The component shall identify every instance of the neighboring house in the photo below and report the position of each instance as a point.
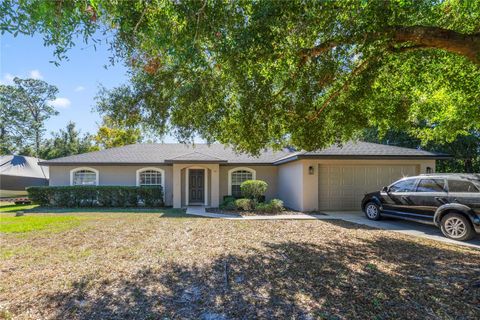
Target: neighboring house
(19, 172)
(334, 178)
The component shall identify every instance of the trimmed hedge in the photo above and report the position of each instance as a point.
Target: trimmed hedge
(97, 196)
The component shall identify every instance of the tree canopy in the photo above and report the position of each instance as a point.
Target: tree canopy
(24, 108)
(269, 73)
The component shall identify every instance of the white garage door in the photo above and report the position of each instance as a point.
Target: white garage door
(343, 187)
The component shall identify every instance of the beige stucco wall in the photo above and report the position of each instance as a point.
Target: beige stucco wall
(290, 185)
(302, 194)
(265, 173)
(112, 176)
(179, 185)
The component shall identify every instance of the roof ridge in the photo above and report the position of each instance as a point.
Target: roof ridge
(203, 154)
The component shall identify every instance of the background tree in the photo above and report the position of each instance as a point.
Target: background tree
(111, 134)
(66, 143)
(27, 101)
(266, 73)
(13, 132)
(465, 148)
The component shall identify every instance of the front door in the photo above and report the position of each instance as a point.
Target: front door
(196, 186)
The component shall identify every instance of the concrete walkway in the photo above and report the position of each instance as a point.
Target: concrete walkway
(395, 225)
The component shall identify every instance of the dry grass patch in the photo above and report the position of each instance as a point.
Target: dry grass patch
(145, 266)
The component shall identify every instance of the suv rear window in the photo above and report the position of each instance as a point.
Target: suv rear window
(431, 185)
(461, 186)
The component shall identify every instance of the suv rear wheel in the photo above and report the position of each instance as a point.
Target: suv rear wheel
(457, 227)
(372, 211)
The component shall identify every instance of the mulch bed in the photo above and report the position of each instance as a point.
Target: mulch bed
(255, 213)
(144, 266)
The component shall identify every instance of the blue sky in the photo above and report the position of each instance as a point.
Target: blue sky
(77, 79)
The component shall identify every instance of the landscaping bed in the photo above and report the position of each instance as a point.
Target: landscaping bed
(154, 266)
(249, 213)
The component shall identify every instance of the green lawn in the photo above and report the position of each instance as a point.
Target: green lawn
(11, 207)
(12, 224)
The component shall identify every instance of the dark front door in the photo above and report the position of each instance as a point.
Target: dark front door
(196, 186)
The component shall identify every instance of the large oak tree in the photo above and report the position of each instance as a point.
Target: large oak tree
(270, 73)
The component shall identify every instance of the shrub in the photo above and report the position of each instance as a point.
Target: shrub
(273, 206)
(254, 189)
(276, 205)
(96, 196)
(228, 203)
(244, 204)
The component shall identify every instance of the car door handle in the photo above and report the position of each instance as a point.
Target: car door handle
(441, 200)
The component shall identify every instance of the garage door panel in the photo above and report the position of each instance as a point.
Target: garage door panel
(343, 187)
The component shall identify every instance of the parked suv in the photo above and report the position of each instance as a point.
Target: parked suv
(449, 201)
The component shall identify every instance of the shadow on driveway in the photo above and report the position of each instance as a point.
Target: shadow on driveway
(403, 226)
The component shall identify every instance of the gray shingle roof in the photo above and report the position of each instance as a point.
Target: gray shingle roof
(364, 150)
(169, 153)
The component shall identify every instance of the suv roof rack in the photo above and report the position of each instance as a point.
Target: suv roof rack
(466, 175)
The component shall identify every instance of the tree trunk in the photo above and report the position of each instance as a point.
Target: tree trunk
(468, 165)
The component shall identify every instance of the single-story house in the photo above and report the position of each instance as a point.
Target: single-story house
(335, 178)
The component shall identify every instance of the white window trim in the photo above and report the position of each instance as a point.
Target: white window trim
(72, 172)
(152, 169)
(253, 172)
(187, 191)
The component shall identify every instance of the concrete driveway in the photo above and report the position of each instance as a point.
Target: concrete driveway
(402, 226)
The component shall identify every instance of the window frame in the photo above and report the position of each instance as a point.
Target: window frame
(415, 183)
(233, 170)
(75, 170)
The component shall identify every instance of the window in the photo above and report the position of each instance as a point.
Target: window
(150, 177)
(236, 177)
(84, 177)
(461, 186)
(431, 185)
(403, 186)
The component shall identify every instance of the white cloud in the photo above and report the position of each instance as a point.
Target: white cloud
(79, 88)
(7, 79)
(61, 103)
(35, 74)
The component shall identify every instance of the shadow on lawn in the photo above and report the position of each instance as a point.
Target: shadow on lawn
(289, 280)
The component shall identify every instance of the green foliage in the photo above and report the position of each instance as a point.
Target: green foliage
(228, 203)
(111, 135)
(258, 74)
(273, 206)
(254, 189)
(244, 204)
(24, 108)
(97, 196)
(465, 149)
(66, 143)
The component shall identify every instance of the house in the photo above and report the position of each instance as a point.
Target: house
(334, 178)
(19, 172)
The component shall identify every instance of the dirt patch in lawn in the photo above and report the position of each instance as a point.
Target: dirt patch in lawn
(145, 266)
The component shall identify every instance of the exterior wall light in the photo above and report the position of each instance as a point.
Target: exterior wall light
(310, 170)
(428, 170)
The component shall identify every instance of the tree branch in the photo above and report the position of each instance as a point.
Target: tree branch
(421, 37)
(355, 72)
